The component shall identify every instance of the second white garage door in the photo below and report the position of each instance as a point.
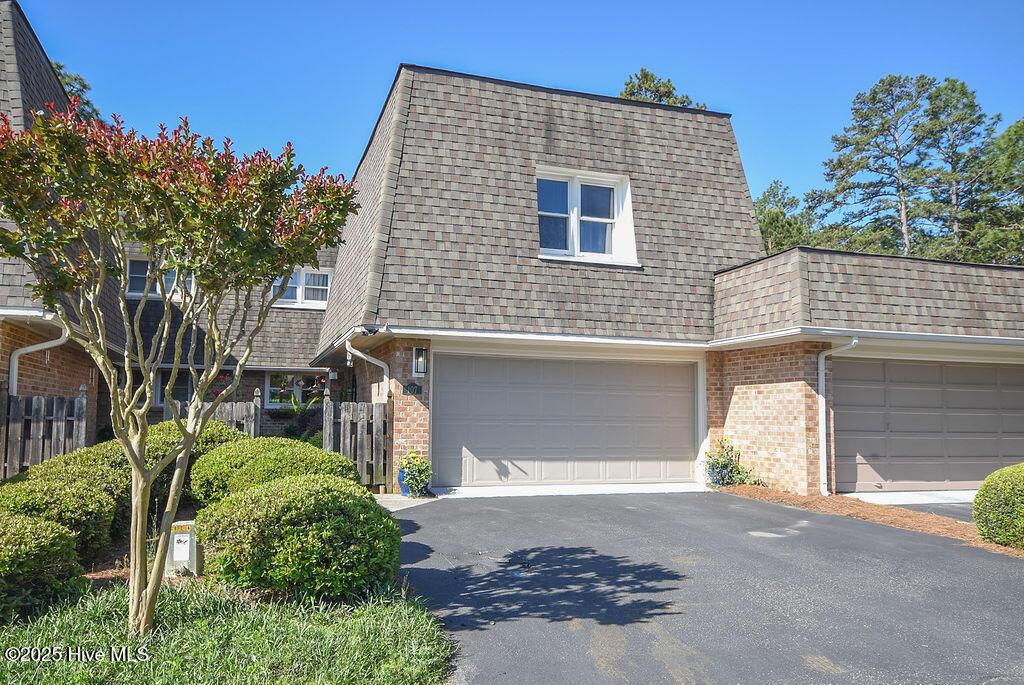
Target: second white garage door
(524, 421)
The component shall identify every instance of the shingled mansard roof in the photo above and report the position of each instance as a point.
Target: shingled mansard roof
(827, 288)
(447, 234)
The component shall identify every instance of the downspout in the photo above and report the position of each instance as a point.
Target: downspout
(373, 360)
(29, 349)
(823, 413)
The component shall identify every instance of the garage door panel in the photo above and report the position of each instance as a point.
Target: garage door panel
(853, 370)
(849, 395)
(560, 421)
(912, 372)
(963, 398)
(937, 425)
(1013, 399)
(914, 397)
(914, 422)
(860, 420)
(860, 446)
(976, 422)
(916, 446)
(970, 375)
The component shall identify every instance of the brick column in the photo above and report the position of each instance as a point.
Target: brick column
(410, 424)
(764, 400)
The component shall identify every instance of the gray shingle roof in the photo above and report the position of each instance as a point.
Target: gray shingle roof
(449, 212)
(827, 288)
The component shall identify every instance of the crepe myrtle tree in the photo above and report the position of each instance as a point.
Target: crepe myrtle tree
(222, 233)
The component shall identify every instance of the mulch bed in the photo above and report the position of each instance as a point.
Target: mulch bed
(897, 517)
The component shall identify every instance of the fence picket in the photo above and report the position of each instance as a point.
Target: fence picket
(36, 431)
(15, 431)
(379, 412)
(58, 425)
(361, 443)
(78, 419)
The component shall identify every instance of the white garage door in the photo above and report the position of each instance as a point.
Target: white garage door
(904, 425)
(522, 421)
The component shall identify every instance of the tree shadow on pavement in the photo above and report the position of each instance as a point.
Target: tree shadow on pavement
(552, 583)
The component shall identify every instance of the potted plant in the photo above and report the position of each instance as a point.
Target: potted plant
(414, 474)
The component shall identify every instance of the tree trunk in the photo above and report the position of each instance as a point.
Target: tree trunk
(138, 563)
(954, 201)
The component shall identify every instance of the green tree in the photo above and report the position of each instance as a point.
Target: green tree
(956, 133)
(646, 86)
(783, 223)
(876, 177)
(76, 86)
(222, 233)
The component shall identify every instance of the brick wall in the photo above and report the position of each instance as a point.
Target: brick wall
(763, 399)
(58, 372)
(410, 424)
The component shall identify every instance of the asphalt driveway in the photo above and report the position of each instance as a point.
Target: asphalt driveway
(708, 588)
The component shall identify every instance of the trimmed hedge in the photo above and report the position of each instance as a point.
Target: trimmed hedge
(164, 436)
(999, 507)
(97, 468)
(310, 535)
(38, 564)
(81, 507)
(234, 467)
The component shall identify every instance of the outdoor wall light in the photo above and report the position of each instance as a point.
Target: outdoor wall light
(348, 359)
(419, 361)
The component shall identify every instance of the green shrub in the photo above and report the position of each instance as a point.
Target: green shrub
(85, 510)
(101, 468)
(724, 468)
(207, 634)
(236, 466)
(319, 535)
(38, 564)
(999, 507)
(417, 473)
(164, 436)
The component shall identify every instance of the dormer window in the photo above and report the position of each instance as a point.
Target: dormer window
(307, 288)
(585, 217)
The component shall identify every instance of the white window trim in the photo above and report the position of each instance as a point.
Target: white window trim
(622, 238)
(300, 302)
(137, 294)
(161, 377)
(279, 405)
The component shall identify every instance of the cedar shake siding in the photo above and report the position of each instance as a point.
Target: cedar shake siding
(826, 288)
(453, 164)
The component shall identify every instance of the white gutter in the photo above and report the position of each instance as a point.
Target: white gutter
(538, 337)
(823, 414)
(365, 357)
(820, 331)
(29, 349)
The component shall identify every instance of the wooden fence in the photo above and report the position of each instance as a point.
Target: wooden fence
(244, 414)
(361, 431)
(34, 429)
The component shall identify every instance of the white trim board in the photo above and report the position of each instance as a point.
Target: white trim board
(567, 489)
(915, 497)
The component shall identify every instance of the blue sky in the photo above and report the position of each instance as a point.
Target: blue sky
(316, 73)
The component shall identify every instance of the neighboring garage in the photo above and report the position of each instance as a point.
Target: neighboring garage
(529, 421)
(921, 425)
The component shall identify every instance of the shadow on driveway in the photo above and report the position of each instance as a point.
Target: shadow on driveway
(551, 583)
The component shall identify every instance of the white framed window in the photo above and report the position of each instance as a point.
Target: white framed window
(138, 273)
(307, 288)
(282, 386)
(585, 216)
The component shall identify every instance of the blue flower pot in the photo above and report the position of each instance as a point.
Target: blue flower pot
(403, 487)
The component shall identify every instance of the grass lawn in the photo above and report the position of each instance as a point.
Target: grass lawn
(205, 634)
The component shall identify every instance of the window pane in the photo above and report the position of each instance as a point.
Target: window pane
(290, 292)
(316, 287)
(138, 269)
(596, 201)
(169, 281)
(553, 233)
(593, 236)
(281, 388)
(553, 196)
